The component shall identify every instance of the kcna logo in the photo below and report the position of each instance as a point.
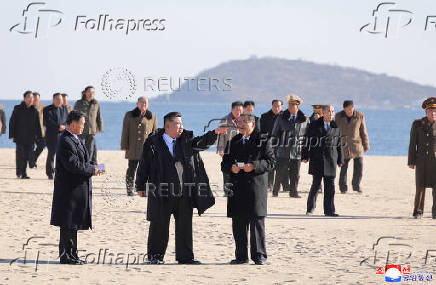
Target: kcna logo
(37, 19)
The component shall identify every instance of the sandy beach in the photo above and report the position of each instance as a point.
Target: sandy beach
(301, 249)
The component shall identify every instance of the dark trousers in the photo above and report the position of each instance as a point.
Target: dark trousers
(51, 153)
(40, 144)
(130, 174)
(49, 165)
(271, 179)
(287, 175)
(282, 175)
(357, 174)
(23, 156)
(329, 194)
(158, 233)
(226, 181)
(89, 142)
(240, 228)
(419, 201)
(68, 244)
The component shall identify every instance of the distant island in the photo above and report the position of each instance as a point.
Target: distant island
(263, 79)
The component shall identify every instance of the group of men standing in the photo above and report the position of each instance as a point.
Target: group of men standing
(33, 126)
(296, 139)
(171, 173)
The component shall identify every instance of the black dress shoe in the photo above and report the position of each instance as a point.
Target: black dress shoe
(308, 213)
(332, 215)
(417, 216)
(190, 261)
(156, 261)
(260, 262)
(357, 190)
(76, 258)
(130, 193)
(294, 195)
(239, 261)
(25, 177)
(71, 261)
(50, 177)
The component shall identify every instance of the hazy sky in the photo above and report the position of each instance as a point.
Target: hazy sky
(202, 34)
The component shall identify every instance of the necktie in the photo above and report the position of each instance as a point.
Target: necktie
(174, 148)
(58, 118)
(327, 127)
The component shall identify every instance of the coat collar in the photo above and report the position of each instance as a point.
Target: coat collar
(136, 113)
(23, 105)
(77, 141)
(332, 123)
(271, 114)
(156, 138)
(343, 115)
(300, 116)
(252, 137)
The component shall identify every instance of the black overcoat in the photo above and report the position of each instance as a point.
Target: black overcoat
(24, 125)
(249, 190)
(53, 119)
(156, 167)
(72, 196)
(323, 149)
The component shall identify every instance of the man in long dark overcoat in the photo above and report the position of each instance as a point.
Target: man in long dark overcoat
(24, 129)
(323, 150)
(173, 174)
(266, 127)
(55, 117)
(72, 196)
(247, 160)
(422, 156)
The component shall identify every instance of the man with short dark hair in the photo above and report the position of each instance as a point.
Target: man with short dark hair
(72, 196)
(24, 129)
(65, 102)
(171, 165)
(249, 109)
(323, 150)
(55, 117)
(353, 129)
(248, 158)
(223, 140)
(266, 126)
(90, 107)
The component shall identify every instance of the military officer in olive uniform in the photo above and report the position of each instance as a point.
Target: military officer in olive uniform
(422, 156)
(138, 124)
(317, 113)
